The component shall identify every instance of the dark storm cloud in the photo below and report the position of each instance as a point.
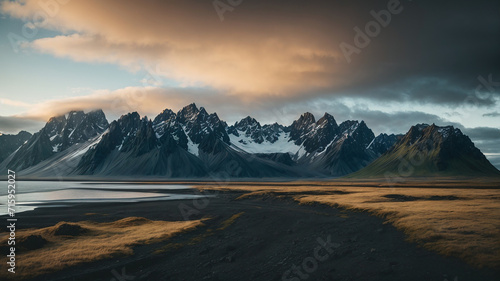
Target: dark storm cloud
(484, 133)
(491, 114)
(495, 160)
(485, 138)
(12, 125)
(434, 52)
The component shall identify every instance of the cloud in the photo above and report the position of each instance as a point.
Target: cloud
(150, 101)
(491, 114)
(145, 100)
(284, 50)
(484, 133)
(12, 125)
(494, 159)
(14, 103)
(486, 139)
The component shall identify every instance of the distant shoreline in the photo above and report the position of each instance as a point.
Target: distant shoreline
(428, 182)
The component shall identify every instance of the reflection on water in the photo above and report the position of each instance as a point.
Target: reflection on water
(38, 186)
(34, 194)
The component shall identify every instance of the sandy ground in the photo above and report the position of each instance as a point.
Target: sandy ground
(264, 238)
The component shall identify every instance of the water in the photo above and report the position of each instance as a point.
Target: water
(35, 194)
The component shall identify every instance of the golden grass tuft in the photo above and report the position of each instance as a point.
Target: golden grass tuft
(230, 221)
(99, 241)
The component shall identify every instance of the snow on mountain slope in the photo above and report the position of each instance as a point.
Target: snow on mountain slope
(281, 145)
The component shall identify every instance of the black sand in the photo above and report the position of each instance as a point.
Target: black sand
(267, 240)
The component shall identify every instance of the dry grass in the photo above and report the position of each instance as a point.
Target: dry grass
(461, 222)
(99, 241)
(230, 221)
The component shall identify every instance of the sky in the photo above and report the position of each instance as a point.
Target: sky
(390, 63)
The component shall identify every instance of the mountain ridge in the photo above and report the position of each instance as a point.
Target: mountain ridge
(195, 143)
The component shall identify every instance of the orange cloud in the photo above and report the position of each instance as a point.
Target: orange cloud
(14, 103)
(150, 101)
(245, 56)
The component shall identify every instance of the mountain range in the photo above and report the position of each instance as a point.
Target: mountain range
(193, 143)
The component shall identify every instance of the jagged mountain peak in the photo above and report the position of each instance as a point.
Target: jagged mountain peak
(165, 115)
(75, 114)
(383, 142)
(327, 118)
(301, 127)
(247, 123)
(307, 118)
(191, 106)
(55, 125)
(129, 123)
(203, 111)
(197, 124)
(74, 127)
(431, 133)
(57, 119)
(187, 113)
(275, 128)
(134, 115)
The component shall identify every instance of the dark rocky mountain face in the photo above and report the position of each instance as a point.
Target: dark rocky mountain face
(431, 150)
(166, 127)
(96, 155)
(165, 116)
(120, 133)
(335, 149)
(283, 158)
(221, 158)
(301, 127)
(251, 130)
(384, 142)
(78, 127)
(143, 141)
(322, 134)
(82, 127)
(55, 126)
(249, 127)
(198, 124)
(348, 151)
(129, 123)
(194, 143)
(58, 134)
(10, 143)
(37, 149)
(135, 146)
(273, 132)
